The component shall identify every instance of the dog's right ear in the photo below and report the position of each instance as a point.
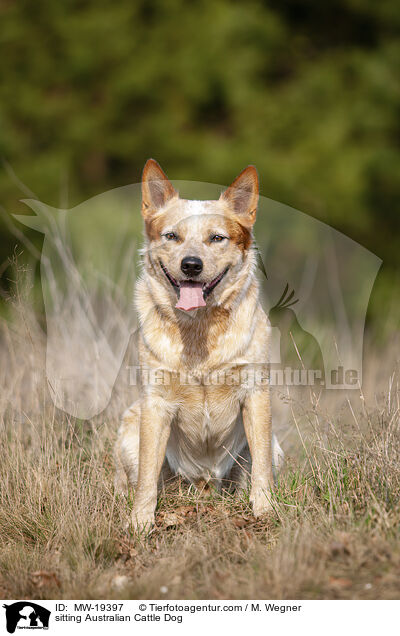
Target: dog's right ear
(157, 190)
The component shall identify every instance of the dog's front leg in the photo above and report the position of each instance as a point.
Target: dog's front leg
(155, 426)
(256, 412)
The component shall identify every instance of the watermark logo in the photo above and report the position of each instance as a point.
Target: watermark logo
(26, 615)
(316, 284)
(248, 376)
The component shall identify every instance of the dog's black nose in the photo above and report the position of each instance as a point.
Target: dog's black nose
(191, 265)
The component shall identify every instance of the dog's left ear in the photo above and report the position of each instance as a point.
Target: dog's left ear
(157, 190)
(242, 196)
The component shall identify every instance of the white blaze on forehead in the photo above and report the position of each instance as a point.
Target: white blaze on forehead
(198, 207)
(193, 213)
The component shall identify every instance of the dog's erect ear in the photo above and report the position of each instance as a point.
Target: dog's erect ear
(242, 196)
(157, 190)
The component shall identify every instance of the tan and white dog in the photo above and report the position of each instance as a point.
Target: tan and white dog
(200, 317)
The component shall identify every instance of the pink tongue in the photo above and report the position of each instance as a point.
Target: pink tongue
(190, 296)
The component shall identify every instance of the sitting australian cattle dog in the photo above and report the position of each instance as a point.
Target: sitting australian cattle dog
(200, 317)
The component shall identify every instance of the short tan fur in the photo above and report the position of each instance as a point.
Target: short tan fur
(200, 316)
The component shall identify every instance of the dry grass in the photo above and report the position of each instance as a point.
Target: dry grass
(334, 534)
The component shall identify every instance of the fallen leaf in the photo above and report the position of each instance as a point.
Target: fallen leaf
(170, 519)
(239, 522)
(126, 550)
(339, 582)
(186, 511)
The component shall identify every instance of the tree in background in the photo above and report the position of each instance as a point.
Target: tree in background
(306, 91)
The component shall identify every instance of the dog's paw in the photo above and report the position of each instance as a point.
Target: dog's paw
(260, 500)
(142, 521)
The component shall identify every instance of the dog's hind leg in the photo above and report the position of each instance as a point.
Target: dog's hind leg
(277, 456)
(120, 480)
(126, 451)
(240, 475)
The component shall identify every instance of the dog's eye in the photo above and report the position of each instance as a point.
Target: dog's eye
(170, 236)
(217, 238)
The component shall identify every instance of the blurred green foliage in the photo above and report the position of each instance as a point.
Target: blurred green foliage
(307, 91)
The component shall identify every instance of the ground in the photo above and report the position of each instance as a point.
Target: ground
(334, 532)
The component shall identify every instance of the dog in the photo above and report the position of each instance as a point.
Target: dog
(200, 317)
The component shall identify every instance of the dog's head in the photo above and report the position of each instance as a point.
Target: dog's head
(198, 250)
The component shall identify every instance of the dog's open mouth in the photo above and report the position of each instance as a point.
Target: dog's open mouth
(192, 294)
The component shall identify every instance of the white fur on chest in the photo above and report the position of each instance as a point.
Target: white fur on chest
(206, 440)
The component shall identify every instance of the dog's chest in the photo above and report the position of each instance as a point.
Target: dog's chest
(207, 433)
(208, 409)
